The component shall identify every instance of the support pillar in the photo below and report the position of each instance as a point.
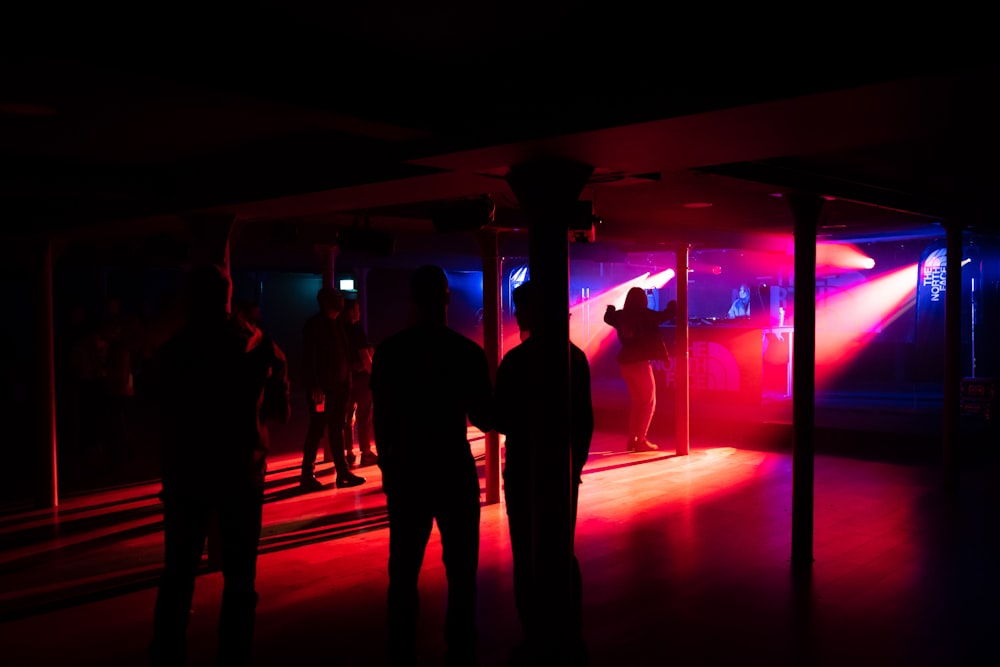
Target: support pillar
(328, 255)
(362, 287)
(548, 191)
(951, 417)
(492, 272)
(46, 469)
(805, 209)
(682, 356)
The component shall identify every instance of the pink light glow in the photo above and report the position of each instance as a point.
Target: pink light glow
(845, 321)
(587, 328)
(511, 337)
(659, 280)
(697, 266)
(586, 325)
(842, 256)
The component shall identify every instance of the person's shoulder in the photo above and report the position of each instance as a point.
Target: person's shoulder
(391, 343)
(183, 337)
(517, 353)
(169, 347)
(439, 335)
(275, 347)
(458, 336)
(264, 341)
(392, 340)
(463, 342)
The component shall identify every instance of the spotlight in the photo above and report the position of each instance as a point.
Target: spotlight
(587, 235)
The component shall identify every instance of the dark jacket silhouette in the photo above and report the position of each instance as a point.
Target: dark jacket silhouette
(428, 383)
(522, 410)
(326, 354)
(326, 373)
(219, 384)
(638, 328)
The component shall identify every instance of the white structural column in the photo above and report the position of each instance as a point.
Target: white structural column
(44, 386)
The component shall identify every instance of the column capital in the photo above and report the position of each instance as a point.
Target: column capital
(543, 184)
(806, 207)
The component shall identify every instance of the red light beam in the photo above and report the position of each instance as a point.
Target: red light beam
(849, 319)
(842, 256)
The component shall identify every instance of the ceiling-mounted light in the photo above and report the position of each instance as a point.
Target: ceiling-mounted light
(583, 227)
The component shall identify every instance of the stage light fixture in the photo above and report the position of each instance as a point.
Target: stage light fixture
(583, 227)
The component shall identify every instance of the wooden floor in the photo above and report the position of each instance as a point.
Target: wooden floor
(685, 561)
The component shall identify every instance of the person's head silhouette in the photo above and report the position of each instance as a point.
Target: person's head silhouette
(209, 290)
(636, 299)
(525, 306)
(429, 294)
(330, 301)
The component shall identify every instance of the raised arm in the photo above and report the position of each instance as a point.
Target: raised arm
(611, 315)
(668, 313)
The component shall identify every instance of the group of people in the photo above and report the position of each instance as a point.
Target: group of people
(222, 381)
(428, 384)
(99, 366)
(336, 370)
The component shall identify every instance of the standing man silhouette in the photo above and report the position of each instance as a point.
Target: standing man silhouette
(219, 383)
(428, 383)
(638, 328)
(327, 373)
(521, 410)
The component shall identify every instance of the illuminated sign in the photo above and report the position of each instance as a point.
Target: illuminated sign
(934, 274)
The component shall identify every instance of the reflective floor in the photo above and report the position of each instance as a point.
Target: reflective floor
(685, 562)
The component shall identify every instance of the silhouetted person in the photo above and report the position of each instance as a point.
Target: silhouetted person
(428, 383)
(327, 373)
(359, 407)
(218, 386)
(741, 304)
(638, 328)
(521, 409)
(247, 314)
(119, 333)
(84, 359)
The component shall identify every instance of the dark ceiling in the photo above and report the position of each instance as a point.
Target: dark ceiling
(115, 122)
